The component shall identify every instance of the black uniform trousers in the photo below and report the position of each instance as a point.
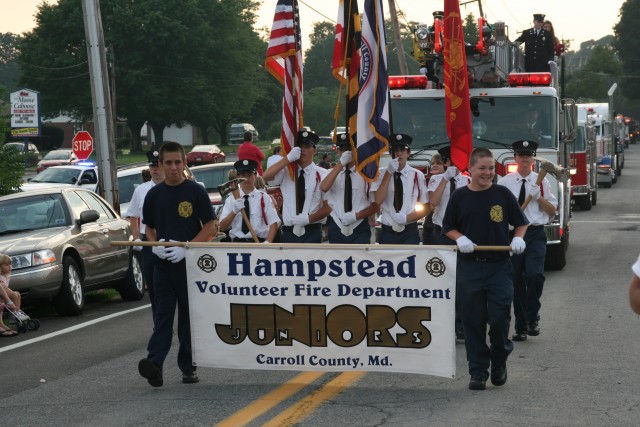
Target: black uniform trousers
(409, 236)
(440, 239)
(528, 270)
(486, 288)
(361, 234)
(147, 272)
(312, 234)
(170, 286)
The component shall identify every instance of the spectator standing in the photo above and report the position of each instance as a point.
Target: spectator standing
(528, 267)
(303, 210)
(348, 195)
(401, 193)
(179, 210)
(134, 212)
(538, 46)
(249, 151)
(557, 46)
(480, 214)
(257, 205)
(324, 163)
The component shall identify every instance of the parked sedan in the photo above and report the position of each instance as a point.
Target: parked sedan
(32, 157)
(211, 176)
(59, 241)
(205, 154)
(57, 158)
(64, 176)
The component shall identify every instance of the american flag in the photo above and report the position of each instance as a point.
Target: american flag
(284, 62)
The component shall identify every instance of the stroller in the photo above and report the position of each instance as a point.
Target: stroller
(20, 320)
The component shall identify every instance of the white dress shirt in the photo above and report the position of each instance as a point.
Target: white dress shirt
(414, 191)
(134, 210)
(260, 209)
(534, 212)
(313, 175)
(360, 197)
(438, 213)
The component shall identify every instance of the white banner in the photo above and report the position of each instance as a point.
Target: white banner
(323, 308)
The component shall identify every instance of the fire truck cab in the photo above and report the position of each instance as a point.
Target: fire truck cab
(506, 106)
(583, 165)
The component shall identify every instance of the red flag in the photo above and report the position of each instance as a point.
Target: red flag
(284, 62)
(456, 87)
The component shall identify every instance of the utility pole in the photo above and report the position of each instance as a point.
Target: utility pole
(112, 86)
(101, 101)
(402, 60)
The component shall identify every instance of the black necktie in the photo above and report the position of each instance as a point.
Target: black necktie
(300, 190)
(348, 189)
(245, 227)
(452, 185)
(521, 196)
(398, 192)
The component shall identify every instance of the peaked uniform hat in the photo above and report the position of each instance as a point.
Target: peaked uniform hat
(525, 147)
(153, 157)
(342, 141)
(538, 17)
(244, 166)
(445, 153)
(400, 140)
(307, 137)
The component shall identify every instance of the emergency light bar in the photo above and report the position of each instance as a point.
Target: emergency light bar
(529, 79)
(408, 82)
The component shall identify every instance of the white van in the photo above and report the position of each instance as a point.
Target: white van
(236, 135)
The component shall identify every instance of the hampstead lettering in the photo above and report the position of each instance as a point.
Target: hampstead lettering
(242, 264)
(311, 325)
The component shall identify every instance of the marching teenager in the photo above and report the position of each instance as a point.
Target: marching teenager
(348, 195)
(528, 267)
(401, 193)
(303, 210)
(257, 205)
(480, 214)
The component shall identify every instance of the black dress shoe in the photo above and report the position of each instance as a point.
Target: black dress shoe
(519, 336)
(477, 383)
(498, 374)
(151, 372)
(460, 335)
(533, 329)
(190, 378)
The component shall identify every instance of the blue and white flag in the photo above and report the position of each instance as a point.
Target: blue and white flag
(373, 102)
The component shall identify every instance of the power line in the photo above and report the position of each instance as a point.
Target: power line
(57, 68)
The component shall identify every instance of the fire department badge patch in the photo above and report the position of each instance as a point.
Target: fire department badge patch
(185, 209)
(496, 213)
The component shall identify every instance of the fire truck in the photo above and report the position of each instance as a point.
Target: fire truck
(604, 126)
(583, 164)
(501, 98)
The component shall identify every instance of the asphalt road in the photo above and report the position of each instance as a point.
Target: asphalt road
(581, 371)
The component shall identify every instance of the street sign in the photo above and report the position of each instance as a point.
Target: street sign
(82, 145)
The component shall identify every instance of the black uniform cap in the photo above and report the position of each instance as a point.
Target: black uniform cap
(342, 141)
(525, 147)
(307, 137)
(153, 157)
(538, 17)
(244, 166)
(400, 140)
(445, 153)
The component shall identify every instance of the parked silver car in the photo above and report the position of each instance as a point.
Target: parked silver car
(59, 241)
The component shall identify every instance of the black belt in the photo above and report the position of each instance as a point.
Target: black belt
(407, 227)
(250, 240)
(475, 258)
(437, 228)
(310, 227)
(535, 227)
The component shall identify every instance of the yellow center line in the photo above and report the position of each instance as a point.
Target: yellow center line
(304, 407)
(269, 400)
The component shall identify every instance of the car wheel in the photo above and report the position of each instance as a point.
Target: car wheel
(132, 287)
(70, 299)
(594, 197)
(584, 202)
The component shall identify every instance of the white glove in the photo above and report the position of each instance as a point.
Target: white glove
(266, 242)
(238, 205)
(451, 172)
(399, 218)
(534, 192)
(137, 248)
(160, 251)
(393, 165)
(300, 220)
(175, 253)
(518, 245)
(347, 218)
(465, 245)
(551, 62)
(346, 158)
(294, 154)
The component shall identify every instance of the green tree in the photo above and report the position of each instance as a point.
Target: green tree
(591, 83)
(11, 170)
(319, 56)
(470, 29)
(9, 68)
(627, 44)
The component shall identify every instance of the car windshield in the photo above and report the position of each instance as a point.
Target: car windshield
(57, 155)
(33, 213)
(211, 178)
(203, 148)
(57, 175)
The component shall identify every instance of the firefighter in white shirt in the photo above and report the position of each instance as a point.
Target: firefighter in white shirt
(348, 195)
(528, 267)
(401, 192)
(257, 204)
(303, 210)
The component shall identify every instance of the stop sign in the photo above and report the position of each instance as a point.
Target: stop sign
(82, 145)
